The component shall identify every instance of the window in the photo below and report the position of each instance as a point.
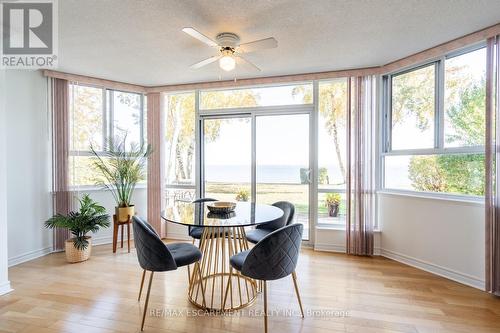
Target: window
(95, 115)
(435, 126)
(180, 141)
(249, 97)
(413, 113)
(332, 151)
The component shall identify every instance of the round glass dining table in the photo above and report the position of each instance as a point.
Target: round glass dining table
(223, 235)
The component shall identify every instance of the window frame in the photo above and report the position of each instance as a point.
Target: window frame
(439, 124)
(107, 126)
(108, 118)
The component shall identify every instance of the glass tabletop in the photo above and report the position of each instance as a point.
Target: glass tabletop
(197, 214)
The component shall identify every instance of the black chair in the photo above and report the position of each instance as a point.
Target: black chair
(196, 232)
(273, 258)
(261, 231)
(156, 256)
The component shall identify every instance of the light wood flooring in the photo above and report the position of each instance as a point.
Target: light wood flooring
(340, 294)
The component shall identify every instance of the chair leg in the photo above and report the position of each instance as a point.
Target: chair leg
(265, 306)
(294, 277)
(142, 284)
(197, 265)
(189, 276)
(147, 301)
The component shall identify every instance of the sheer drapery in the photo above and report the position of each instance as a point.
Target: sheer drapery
(492, 159)
(361, 124)
(155, 178)
(62, 197)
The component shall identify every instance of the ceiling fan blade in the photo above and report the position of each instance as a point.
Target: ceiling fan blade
(199, 36)
(262, 44)
(248, 62)
(205, 62)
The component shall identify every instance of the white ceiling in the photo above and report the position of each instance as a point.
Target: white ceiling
(141, 41)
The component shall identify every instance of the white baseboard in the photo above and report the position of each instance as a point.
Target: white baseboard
(29, 256)
(102, 240)
(339, 248)
(5, 288)
(329, 248)
(463, 278)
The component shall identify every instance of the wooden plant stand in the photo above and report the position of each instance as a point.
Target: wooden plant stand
(116, 225)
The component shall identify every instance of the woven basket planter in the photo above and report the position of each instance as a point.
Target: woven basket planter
(73, 255)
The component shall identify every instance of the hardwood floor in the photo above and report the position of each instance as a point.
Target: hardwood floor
(340, 294)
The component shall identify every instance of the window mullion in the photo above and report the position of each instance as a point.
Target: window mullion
(440, 104)
(111, 115)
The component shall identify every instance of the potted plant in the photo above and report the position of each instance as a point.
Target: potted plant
(122, 168)
(332, 202)
(242, 195)
(90, 217)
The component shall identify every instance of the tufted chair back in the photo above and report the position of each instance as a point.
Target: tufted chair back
(152, 253)
(276, 255)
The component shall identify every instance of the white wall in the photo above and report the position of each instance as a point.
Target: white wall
(441, 236)
(333, 240)
(4, 278)
(28, 165)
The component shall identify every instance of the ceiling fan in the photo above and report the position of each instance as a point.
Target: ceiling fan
(229, 48)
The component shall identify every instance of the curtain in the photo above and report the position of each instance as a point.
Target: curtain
(60, 157)
(492, 171)
(155, 179)
(360, 196)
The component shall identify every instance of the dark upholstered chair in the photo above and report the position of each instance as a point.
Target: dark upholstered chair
(261, 231)
(156, 256)
(273, 258)
(196, 232)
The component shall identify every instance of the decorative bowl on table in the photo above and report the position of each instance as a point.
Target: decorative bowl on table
(221, 216)
(221, 207)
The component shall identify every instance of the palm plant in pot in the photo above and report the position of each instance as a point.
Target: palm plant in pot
(122, 168)
(90, 218)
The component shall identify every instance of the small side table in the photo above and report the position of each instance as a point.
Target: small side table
(116, 225)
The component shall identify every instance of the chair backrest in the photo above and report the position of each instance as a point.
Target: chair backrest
(204, 200)
(276, 255)
(287, 218)
(152, 253)
(198, 201)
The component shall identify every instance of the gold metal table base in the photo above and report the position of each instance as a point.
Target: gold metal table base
(217, 245)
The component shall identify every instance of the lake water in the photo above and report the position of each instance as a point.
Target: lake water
(288, 174)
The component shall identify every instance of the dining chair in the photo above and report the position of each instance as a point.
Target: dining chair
(156, 256)
(196, 232)
(272, 258)
(262, 230)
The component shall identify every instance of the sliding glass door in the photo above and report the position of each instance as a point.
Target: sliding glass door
(227, 158)
(258, 157)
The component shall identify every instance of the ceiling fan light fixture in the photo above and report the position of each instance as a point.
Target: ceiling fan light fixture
(227, 62)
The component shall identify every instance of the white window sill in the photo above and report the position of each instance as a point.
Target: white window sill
(339, 227)
(471, 200)
(93, 188)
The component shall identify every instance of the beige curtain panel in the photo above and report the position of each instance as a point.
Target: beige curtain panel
(361, 124)
(60, 156)
(155, 178)
(492, 167)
